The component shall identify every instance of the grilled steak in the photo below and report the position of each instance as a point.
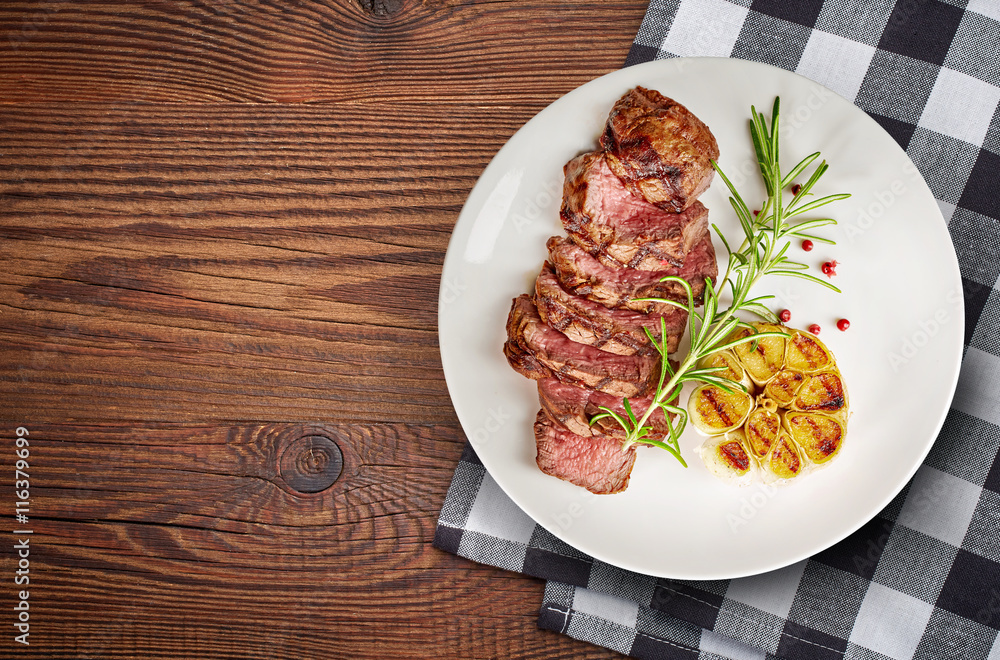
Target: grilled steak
(571, 407)
(632, 218)
(597, 463)
(619, 331)
(528, 335)
(621, 229)
(582, 274)
(659, 149)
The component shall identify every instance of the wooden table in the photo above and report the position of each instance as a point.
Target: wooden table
(222, 227)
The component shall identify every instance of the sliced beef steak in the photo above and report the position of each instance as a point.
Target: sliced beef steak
(528, 335)
(659, 149)
(597, 463)
(621, 229)
(620, 331)
(571, 407)
(582, 274)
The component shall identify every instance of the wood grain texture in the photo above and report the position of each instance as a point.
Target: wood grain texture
(187, 541)
(222, 226)
(170, 270)
(437, 51)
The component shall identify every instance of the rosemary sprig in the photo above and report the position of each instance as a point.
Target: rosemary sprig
(763, 252)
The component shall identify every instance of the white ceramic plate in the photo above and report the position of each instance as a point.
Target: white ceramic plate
(901, 292)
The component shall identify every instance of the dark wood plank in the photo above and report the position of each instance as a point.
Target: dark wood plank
(438, 51)
(224, 262)
(223, 224)
(190, 542)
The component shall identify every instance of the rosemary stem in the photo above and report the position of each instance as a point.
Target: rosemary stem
(692, 356)
(660, 396)
(758, 255)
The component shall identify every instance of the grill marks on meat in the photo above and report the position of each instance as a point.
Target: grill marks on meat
(582, 274)
(519, 356)
(531, 342)
(620, 331)
(621, 229)
(632, 218)
(522, 360)
(659, 149)
(571, 407)
(597, 463)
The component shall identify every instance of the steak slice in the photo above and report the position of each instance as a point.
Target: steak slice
(621, 229)
(659, 149)
(597, 463)
(571, 407)
(619, 331)
(582, 274)
(527, 334)
(522, 360)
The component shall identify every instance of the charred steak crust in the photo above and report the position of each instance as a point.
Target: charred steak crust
(572, 407)
(597, 463)
(580, 273)
(659, 149)
(621, 229)
(523, 362)
(567, 360)
(520, 358)
(620, 331)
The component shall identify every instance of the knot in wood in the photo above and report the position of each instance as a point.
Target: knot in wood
(381, 7)
(311, 464)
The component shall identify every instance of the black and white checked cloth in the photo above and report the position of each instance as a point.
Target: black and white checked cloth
(922, 579)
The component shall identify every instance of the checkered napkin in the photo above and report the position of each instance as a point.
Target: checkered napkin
(922, 579)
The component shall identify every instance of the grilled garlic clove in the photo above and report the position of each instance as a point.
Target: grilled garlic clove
(783, 462)
(731, 368)
(761, 429)
(820, 436)
(714, 411)
(784, 386)
(822, 392)
(807, 354)
(726, 457)
(763, 358)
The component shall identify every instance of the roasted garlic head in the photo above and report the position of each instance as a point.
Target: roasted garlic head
(785, 415)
